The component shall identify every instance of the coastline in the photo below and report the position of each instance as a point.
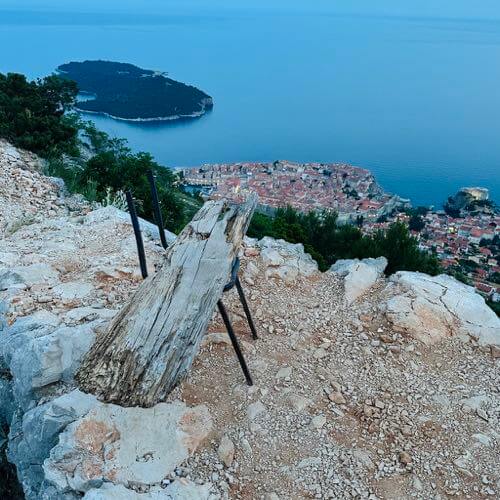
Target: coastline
(196, 114)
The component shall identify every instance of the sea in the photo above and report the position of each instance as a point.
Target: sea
(412, 96)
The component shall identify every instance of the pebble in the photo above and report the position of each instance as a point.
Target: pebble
(225, 451)
(318, 421)
(405, 458)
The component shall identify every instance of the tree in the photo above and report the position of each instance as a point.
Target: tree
(416, 223)
(117, 169)
(327, 241)
(32, 114)
(451, 209)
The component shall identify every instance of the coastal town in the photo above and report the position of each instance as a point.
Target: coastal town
(466, 243)
(468, 246)
(350, 191)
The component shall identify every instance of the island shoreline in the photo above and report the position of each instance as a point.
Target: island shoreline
(197, 114)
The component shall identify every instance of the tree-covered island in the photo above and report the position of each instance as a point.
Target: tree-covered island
(126, 92)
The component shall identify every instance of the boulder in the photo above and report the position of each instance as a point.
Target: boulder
(431, 308)
(226, 451)
(35, 433)
(48, 359)
(85, 314)
(113, 214)
(285, 261)
(125, 446)
(38, 352)
(359, 275)
(23, 330)
(72, 290)
(181, 489)
(27, 275)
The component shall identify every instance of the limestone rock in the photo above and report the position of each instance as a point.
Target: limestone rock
(431, 308)
(226, 451)
(216, 338)
(33, 435)
(82, 314)
(359, 275)
(27, 275)
(50, 358)
(72, 290)
(255, 409)
(126, 445)
(181, 489)
(285, 261)
(23, 330)
(318, 421)
(114, 214)
(298, 402)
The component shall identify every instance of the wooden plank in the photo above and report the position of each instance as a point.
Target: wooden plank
(151, 343)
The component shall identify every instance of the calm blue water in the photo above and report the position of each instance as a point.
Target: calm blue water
(413, 98)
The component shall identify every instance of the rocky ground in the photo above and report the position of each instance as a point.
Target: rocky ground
(365, 387)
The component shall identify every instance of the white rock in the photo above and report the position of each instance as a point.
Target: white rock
(226, 451)
(255, 409)
(37, 433)
(81, 314)
(475, 402)
(482, 439)
(49, 358)
(216, 338)
(285, 261)
(431, 308)
(126, 445)
(298, 402)
(72, 290)
(359, 275)
(318, 421)
(284, 372)
(111, 213)
(181, 489)
(27, 275)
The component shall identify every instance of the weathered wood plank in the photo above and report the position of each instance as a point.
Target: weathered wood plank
(151, 343)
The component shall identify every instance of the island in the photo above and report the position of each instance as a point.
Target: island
(126, 92)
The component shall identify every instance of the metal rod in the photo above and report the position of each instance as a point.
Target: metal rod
(244, 303)
(234, 341)
(137, 232)
(156, 208)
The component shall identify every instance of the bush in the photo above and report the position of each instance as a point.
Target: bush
(32, 114)
(115, 168)
(495, 306)
(416, 223)
(327, 241)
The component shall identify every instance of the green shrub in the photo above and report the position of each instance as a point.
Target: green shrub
(327, 241)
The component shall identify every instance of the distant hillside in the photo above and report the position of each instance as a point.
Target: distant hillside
(127, 92)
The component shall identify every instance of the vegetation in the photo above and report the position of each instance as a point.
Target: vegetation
(495, 306)
(32, 114)
(327, 241)
(451, 209)
(465, 203)
(416, 223)
(113, 168)
(35, 116)
(126, 91)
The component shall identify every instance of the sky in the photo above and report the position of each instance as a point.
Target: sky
(483, 9)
